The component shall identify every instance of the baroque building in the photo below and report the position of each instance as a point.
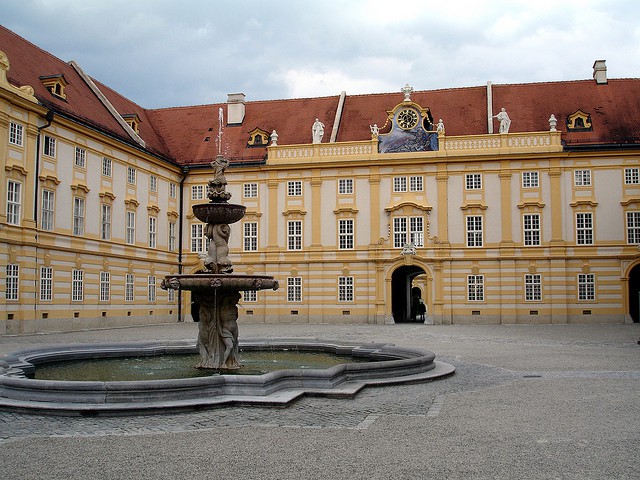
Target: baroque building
(488, 204)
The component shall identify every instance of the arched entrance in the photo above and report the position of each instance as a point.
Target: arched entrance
(401, 293)
(634, 293)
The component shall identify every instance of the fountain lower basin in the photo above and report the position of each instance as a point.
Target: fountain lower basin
(386, 364)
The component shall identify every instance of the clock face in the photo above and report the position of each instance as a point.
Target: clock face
(407, 119)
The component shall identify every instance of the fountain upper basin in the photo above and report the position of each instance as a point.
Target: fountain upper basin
(218, 212)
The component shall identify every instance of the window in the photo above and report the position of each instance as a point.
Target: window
(46, 222)
(131, 175)
(14, 194)
(49, 146)
(399, 232)
(46, 284)
(78, 216)
(632, 176)
(345, 289)
(153, 183)
(81, 157)
(172, 190)
(408, 230)
(250, 238)
(129, 284)
(345, 234)
(584, 229)
(197, 238)
(294, 289)
(530, 180)
(249, 296)
(13, 280)
(416, 231)
(531, 224)
(171, 295)
(473, 181)
(106, 167)
(172, 236)
(16, 134)
(633, 227)
(197, 192)
(533, 287)
(474, 231)
(153, 230)
(77, 285)
(250, 190)
(294, 235)
(399, 184)
(415, 184)
(475, 288)
(582, 178)
(151, 288)
(345, 186)
(105, 221)
(586, 286)
(105, 286)
(130, 228)
(294, 189)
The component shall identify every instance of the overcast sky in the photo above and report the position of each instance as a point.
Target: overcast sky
(162, 53)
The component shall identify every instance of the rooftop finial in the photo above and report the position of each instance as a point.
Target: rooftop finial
(407, 90)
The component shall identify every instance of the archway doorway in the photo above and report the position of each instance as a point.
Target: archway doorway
(634, 293)
(402, 289)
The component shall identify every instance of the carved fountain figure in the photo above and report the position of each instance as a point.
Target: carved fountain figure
(216, 289)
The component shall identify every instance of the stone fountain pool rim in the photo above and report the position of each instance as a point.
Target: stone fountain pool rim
(388, 365)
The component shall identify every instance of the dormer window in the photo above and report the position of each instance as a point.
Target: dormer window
(258, 138)
(579, 121)
(132, 120)
(55, 84)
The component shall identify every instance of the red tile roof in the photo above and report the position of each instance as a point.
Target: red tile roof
(189, 135)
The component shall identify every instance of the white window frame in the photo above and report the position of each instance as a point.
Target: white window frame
(16, 134)
(250, 190)
(584, 228)
(399, 184)
(107, 167)
(533, 287)
(416, 183)
(294, 188)
(173, 188)
(250, 236)
(77, 285)
(530, 179)
(105, 286)
(582, 178)
(632, 176)
(153, 183)
(473, 181)
(81, 158)
(416, 231)
(346, 233)
(131, 175)
(250, 296)
(129, 287)
(531, 229)
(633, 227)
(346, 289)
(48, 206)
(79, 205)
(294, 235)
(153, 232)
(172, 236)
(345, 186)
(197, 238)
(294, 289)
(49, 146)
(14, 202)
(105, 221)
(475, 288)
(197, 192)
(130, 227)
(474, 230)
(586, 287)
(151, 289)
(46, 284)
(12, 282)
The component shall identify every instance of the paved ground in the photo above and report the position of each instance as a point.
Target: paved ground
(526, 402)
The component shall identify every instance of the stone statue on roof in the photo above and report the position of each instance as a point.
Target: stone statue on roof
(440, 126)
(375, 130)
(317, 131)
(505, 121)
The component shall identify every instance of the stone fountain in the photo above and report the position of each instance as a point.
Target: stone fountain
(215, 288)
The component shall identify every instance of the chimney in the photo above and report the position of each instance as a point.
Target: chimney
(235, 108)
(600, 72)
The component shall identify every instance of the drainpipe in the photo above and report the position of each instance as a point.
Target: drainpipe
(185, 171)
